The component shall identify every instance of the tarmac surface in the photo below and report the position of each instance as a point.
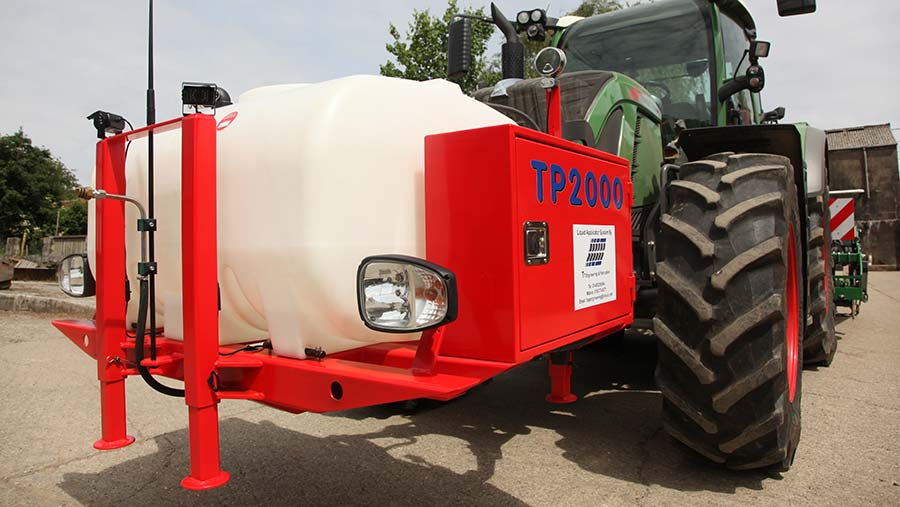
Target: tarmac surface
(501, 444)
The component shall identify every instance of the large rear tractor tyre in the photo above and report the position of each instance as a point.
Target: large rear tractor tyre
(819, 342)
(729, 321)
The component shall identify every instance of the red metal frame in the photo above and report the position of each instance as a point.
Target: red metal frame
(554, 112)
(110, 319)
(376, 374)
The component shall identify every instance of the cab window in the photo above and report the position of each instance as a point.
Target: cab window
(739, 108)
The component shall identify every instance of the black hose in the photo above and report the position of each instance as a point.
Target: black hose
(139, 347)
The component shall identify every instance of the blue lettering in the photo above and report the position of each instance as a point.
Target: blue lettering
(575, 177)
(618, 193)
(557, 181)
(539, 168)
(604, 191)
(590, 188)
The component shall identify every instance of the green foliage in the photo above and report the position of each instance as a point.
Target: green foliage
(422, 54)
(73, 218)
(33, 186)
(594, 7)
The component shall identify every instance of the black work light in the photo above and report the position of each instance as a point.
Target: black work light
(402, 294)
(203, 96)
(107, 123)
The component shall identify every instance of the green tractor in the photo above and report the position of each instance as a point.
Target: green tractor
(730, 217)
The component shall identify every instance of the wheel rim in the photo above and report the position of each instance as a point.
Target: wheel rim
(793, 316)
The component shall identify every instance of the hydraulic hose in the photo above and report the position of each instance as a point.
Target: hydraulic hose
(139, 346)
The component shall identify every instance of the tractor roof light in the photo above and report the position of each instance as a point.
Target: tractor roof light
(402, 294)
(760, 48)
(197, 97)
(533, 23)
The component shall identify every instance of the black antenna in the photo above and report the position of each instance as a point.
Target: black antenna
(151, 95)
(151, 119)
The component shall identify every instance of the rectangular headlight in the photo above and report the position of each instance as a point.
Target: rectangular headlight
(402, 294)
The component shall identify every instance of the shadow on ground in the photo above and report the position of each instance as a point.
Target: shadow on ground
(612, 431)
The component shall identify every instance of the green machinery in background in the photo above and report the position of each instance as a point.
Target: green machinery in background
(850, 265)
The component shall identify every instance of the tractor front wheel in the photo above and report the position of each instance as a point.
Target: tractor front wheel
(729, 323)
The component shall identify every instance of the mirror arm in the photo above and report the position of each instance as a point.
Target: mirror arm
(731, 87)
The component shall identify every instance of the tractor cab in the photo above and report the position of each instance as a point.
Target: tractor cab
(666, 47)
(698, 60)
(684, 52)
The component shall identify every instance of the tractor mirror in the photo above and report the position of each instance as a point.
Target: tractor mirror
(795, 7)
(459, 49)
(696, 68)
(773, 116)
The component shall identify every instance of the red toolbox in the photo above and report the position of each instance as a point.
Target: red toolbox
(538, 232)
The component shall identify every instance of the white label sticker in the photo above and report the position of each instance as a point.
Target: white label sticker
(594, 248)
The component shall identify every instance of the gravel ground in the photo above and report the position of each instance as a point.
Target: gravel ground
(501, 444)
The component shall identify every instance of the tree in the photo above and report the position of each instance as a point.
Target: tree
(33, 186)
(593, 7)
(422, 54)
(73, 217)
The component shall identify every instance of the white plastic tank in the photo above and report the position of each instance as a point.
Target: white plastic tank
(311, 179)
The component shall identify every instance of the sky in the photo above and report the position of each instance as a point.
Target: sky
(62, 60)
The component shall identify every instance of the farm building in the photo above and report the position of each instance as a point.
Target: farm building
(866, 158)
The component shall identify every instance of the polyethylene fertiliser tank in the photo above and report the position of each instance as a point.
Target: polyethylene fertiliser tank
(311, 179)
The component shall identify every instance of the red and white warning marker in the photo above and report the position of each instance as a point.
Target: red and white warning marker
(843, 219)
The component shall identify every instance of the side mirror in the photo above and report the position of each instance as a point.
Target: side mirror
(696, 68)
(550, 62)
(754, 80)
(795, 7)
(75, 277)
(459, 49)
(773, 116)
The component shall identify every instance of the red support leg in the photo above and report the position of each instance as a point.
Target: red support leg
(560, 365)
(112, 417)
(427, 352)
(110, 320)
(200, 295)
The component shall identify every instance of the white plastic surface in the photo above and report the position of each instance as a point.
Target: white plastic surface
(815, 161)
(311, 179)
